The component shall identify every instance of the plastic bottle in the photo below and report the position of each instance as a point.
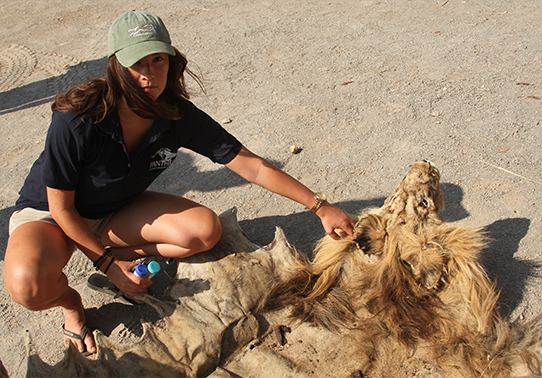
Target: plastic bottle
(140, 270)
(153, 268)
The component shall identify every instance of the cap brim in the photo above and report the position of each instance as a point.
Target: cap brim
(133, 54)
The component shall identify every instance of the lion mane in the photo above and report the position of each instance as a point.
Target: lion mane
(408, 280)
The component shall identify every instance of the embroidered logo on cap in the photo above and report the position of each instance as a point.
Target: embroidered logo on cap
(142, 30)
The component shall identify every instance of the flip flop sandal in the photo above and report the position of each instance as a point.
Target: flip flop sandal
(80, 337)
(101, 283)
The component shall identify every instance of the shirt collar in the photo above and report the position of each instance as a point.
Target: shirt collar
(111, 126)
(110, 123)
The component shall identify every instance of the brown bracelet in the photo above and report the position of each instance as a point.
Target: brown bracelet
(107, 254)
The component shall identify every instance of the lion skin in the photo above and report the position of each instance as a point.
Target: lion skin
(408, 280)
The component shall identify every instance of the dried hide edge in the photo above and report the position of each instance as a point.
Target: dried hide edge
(215, 293)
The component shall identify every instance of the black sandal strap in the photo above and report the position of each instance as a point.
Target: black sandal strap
(75, 336)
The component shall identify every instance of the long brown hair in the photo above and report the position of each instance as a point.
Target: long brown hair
(96, 98)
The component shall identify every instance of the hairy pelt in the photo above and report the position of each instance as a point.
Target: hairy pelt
(408, 281)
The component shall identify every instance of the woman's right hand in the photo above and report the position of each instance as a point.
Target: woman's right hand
(120, 274)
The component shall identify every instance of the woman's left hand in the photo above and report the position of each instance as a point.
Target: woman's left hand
(334, 218)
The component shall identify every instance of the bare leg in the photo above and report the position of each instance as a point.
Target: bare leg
(35, 256)
(161, 224)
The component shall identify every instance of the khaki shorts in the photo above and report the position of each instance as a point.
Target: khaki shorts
(29, 214)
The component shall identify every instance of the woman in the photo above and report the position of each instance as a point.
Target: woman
(109, 139)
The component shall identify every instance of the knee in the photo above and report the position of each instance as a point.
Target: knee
(205, 231)
(21, 286)
(27, 288)
(211, 232)
(199, 233)
(35, 256)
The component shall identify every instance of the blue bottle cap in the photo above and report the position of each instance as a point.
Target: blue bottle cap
(140, 270)
(153, 267)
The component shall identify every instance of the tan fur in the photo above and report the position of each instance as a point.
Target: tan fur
(408, 277)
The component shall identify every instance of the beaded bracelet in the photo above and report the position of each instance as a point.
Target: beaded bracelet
(107, 254)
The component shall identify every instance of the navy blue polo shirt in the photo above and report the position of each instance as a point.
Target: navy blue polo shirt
(93, 159)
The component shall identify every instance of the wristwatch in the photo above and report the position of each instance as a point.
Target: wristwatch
(320, 199)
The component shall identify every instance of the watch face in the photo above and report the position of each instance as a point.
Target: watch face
(320, 196)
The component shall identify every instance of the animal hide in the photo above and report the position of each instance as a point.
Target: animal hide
(406, 296)
(408, 281)
(214, 294)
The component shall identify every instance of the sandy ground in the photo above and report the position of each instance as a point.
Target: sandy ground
(365, 88)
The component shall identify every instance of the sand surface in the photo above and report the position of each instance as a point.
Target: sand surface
(364, 88)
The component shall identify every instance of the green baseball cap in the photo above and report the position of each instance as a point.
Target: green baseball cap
(136, 34)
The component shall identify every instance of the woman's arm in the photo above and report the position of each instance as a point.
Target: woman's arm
(260, 172)
(63, 211)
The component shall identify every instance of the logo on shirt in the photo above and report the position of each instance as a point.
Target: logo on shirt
(162, 159)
